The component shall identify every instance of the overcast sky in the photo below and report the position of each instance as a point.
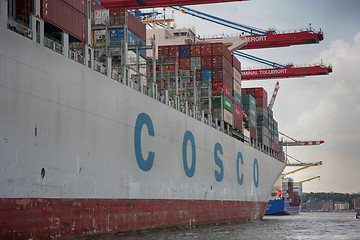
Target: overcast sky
(312, 108)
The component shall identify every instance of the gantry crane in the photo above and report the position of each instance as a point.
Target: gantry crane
(306, 180)
(305, 167)
(299, 143)
(259, 38)
(289, 72)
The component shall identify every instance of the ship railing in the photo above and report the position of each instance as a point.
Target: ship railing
(100, 67)
(76, 56)
(116, 75)
(20, 28)
(52, 45)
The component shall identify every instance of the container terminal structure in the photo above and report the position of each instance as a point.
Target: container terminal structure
(98, 138)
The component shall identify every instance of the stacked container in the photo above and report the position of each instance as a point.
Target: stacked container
(210, 62)
(236, 79)
(249, 107)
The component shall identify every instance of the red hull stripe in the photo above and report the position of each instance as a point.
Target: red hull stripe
(45, 218)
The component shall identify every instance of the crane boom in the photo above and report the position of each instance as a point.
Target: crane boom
(276, 89)
(259, 38)
(273, 39)
(289, 72)
(306, 180)
(302, 168)
(301, 143)
(132, 4)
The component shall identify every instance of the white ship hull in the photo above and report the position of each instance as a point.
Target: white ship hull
(81, 153)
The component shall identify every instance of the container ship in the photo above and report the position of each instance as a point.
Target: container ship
(284, 200)
(99, 138)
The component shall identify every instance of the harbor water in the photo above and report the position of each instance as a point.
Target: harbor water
(302, 226)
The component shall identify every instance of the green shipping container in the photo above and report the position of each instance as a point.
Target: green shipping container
(247, 99)
(228, 104)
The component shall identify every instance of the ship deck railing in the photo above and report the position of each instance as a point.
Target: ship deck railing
(78, 56)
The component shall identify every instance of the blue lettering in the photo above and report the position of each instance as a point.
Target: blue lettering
(218, 175)
(188, 136)
(239, 179)
(256, 174)
(143, 119)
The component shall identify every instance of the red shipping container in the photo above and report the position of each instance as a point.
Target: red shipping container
(206, 62)
(206, 49)
(248, 91)
(222, 50)
(220, 88)
(78, 5)
(261, 102)
(218, 75)
(236, 63)
(221, 62)
(65, 17)
(197, 77)
(24, 9)
(184, 63)
(173, 50)
(238, 123)
(195, 50)
(136, 26)
(252, 132)
(117, 16)
(260, 92)
(237, 111)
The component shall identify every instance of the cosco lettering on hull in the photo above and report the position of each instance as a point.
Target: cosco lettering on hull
(146, 163)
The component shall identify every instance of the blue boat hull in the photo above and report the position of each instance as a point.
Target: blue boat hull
(281, 207)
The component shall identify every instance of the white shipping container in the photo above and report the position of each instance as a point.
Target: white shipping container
(236, 75)
(237, 86)
(228, 117)
(101, 16)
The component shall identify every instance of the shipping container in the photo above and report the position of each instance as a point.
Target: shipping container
(221, 88)
(262, 131)
(261, 101)
(264, 141)
(101, 16)
(206, 62)
(236, 63)
(238, 123)
(79, 5)
(262, 111)
(65, 17)
(237, 99)
(136, 27)
(184, 63)
(252, 132)
(23, 10)
(206, 75)
(261, 120)
(173, 50)
(195, 62)
(247, 99)
(184, 51)
(237, 111)
(218, 75)
(251, 122)
(221, 62)
(236, 75)
(195, 50)
(227, 103)
(227, 116)
(237, 87)
(222, 50)
(205, 49)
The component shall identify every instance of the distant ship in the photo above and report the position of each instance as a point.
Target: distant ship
(88, 149)
(284, 200)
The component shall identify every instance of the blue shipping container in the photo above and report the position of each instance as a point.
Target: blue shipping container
(206, 75)
(237, 99)
(184, 51)
(262, 121)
